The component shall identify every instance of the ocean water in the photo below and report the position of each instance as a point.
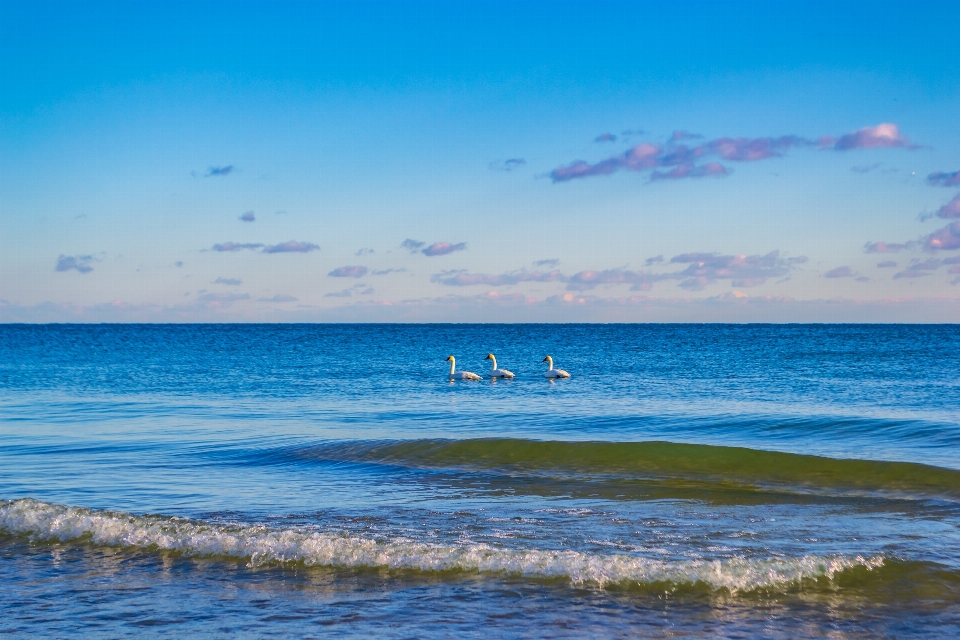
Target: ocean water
(328, 480)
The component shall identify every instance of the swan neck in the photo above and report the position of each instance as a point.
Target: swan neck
(550, 362)
(453, 364)
(494, 361)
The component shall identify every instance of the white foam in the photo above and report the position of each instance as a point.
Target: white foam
(263, 545)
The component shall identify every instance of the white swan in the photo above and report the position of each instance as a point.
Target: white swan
(498, 373)
(554, 373)
(460, 375)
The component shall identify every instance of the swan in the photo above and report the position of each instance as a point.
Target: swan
(460, 375)
(554, 373)
(498, 373)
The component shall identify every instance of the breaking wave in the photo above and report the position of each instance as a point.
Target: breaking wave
(261, 545)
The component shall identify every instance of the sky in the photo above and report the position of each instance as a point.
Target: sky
(479, 162)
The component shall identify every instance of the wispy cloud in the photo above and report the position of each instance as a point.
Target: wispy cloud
(867, 168)
(839, 272)
(951, 209)
(358, 289)
(946, 239)
(363, 252)
(680, 134)
(443, 248)
(673, 160)
(510, 164)
(919, 269)
(654, 260)
(740, 270)
(178, 264)
(883, 135)
(384, 272)
(75, 263)
(355, 271)
(291, 246)
(236, 246)
(461, 278)
(886, 247)
(605, 137)
(218, 171)
(944, 179)
(280, 297)
(886, 264)
(411, 245)
(233, 282)
(638, 280)
(222, 298)
(549, 262)
(248, 217)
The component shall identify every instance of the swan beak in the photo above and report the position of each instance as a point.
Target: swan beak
(487, 358)
(544, 360)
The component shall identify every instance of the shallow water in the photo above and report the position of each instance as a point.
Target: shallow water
(327, 479)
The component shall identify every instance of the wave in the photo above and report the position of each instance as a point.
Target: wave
(731, 467)
(262, 545)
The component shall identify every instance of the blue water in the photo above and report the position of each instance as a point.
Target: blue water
(717, 480)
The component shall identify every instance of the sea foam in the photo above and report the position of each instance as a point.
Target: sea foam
(262, 545)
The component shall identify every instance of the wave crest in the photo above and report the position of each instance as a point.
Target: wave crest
(262, 545)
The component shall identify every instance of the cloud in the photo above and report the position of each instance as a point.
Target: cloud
(360, 289)
(863, 279)
(946, 239)
(443, 248)
(280, 297)
(363, 252)
(219, 171)
(236, 246)
(886, 247)
(508, 165)
(639, 281)
(919, 269)
(883, 135)
(886, 264)
(291, 246)
(839, 272)
(222, 298)
(178, 263)
(247, 217)
(76, 263)
(653, 260)
(673, 160)
(549, 262)
(460, 278)
(383, 272)
(867, 168)
(355, 271)
(411, 245)
(233, 282)
(741, 270)
(944, 179)
(711, 169)
(951, 209)
(679, 135)
(605, 137)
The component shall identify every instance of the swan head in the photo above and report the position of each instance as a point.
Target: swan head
(490, 356)
(547, 359)
(449, 358)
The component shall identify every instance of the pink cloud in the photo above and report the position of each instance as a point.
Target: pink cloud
(291, 246)
(881, 136)
(236, 246)
(356, 271)
(951, 209)
(944, 179)
(839, 272)
(743, 271)
(946, 239)
(886, 247)
(638, 280)
(753, 149)
(443, 248)
(711, 169)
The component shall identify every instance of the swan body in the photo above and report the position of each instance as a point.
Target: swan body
(498, 373)
(460, 375)
(554, 373)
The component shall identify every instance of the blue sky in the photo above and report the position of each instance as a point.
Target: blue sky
(479, 161)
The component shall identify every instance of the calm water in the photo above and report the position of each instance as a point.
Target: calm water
(689, 480)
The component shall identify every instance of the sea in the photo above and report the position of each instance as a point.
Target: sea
(323, 480)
